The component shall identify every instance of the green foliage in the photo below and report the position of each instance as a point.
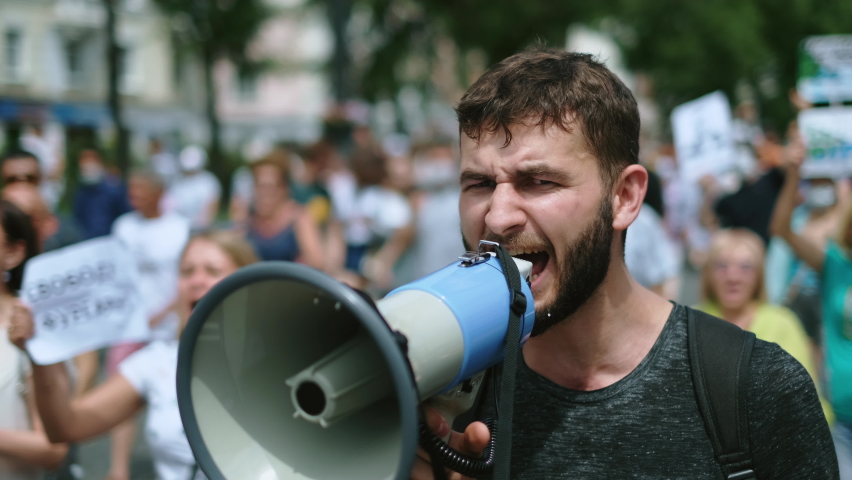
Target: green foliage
(212, 30)
(223, 27)
(688, 48)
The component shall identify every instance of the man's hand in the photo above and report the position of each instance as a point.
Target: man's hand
(472, 442)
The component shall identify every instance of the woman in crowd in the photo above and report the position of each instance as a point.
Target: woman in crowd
(25, 451)
(833, 264)
(733, 287)
(280, 228)
(147, 376)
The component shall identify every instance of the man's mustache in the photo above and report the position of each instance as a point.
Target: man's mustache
(521, 241)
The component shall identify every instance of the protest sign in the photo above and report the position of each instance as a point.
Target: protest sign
(704, 136)
(825, 69)
(827, 133)
(83, 297)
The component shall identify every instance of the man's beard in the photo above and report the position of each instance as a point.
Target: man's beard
(586, 263)
(586, 266)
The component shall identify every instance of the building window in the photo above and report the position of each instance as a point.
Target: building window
(246, 86)
(74, 61)
(13, 54)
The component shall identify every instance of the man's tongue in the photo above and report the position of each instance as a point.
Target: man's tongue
(538, 260)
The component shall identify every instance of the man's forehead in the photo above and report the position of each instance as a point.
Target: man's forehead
(529, 146)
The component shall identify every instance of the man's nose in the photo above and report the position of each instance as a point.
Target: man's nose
(505, 215)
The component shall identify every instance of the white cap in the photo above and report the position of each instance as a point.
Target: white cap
(257, 148)
(193, 158)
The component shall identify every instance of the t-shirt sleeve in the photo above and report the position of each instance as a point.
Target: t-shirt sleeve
(788, 432)
(833, 264)
(136, 369)
(394, 213)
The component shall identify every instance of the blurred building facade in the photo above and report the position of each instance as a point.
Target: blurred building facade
(53, 73)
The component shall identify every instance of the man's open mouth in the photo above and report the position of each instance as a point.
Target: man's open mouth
(538, 258)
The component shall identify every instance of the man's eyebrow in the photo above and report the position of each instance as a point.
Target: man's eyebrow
(543, 170)
(471, 176)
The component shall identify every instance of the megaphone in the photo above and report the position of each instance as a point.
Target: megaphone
(285, 373)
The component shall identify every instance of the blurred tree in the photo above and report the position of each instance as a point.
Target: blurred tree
(693, 48)
(687, 48)
(113, 56)
(213, 30)
(498, 29)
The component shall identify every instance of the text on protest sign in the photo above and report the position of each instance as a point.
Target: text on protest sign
(83, 297)
(827, 133)
(825, 69)
(703, 136)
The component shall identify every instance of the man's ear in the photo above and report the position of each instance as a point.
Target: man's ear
(15, 254)
(628, 195)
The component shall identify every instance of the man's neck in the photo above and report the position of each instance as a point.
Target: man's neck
(605, 339)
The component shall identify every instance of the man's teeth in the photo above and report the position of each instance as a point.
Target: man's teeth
(534, 277)
(522, 252)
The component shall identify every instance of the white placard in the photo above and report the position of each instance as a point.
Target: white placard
(704, 136)
(825, 69)
(83, 297)
(827, 133)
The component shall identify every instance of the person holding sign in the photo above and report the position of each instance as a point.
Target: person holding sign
(155, 239)
(25, 450)
(146, 377)
(833, 263)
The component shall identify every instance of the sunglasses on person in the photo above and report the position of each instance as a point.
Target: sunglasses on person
(33, 179)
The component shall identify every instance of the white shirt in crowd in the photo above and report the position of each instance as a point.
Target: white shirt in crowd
(190, 195)
(166, 166)
(156, 244)
(648, 253)
(439, 241)
(152, 372)
(374, 214)
(14, 414)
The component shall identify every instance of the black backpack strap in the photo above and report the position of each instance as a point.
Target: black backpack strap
(719, 356)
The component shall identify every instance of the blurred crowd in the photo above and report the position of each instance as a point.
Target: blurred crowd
(772, 251)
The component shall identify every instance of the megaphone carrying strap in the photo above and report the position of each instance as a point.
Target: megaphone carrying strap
(505, 407)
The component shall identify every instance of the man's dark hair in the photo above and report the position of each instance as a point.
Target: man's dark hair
(18, 154)
(545, 87)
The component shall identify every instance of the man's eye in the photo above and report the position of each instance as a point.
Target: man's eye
(542, 183)
(482, 184)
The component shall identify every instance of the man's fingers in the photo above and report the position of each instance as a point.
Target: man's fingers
(473, 441)
(436, 422)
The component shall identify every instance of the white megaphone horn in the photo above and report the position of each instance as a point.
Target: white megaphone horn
(285, 373)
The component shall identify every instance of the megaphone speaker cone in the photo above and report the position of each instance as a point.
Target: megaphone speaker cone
(258, 399)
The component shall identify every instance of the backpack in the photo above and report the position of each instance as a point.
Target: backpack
(719, 357)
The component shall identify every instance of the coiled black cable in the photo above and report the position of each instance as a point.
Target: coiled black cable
(457, 461)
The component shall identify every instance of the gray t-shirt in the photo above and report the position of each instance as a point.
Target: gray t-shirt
(647, 425)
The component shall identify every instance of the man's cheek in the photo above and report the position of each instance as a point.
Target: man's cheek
(471, 225)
